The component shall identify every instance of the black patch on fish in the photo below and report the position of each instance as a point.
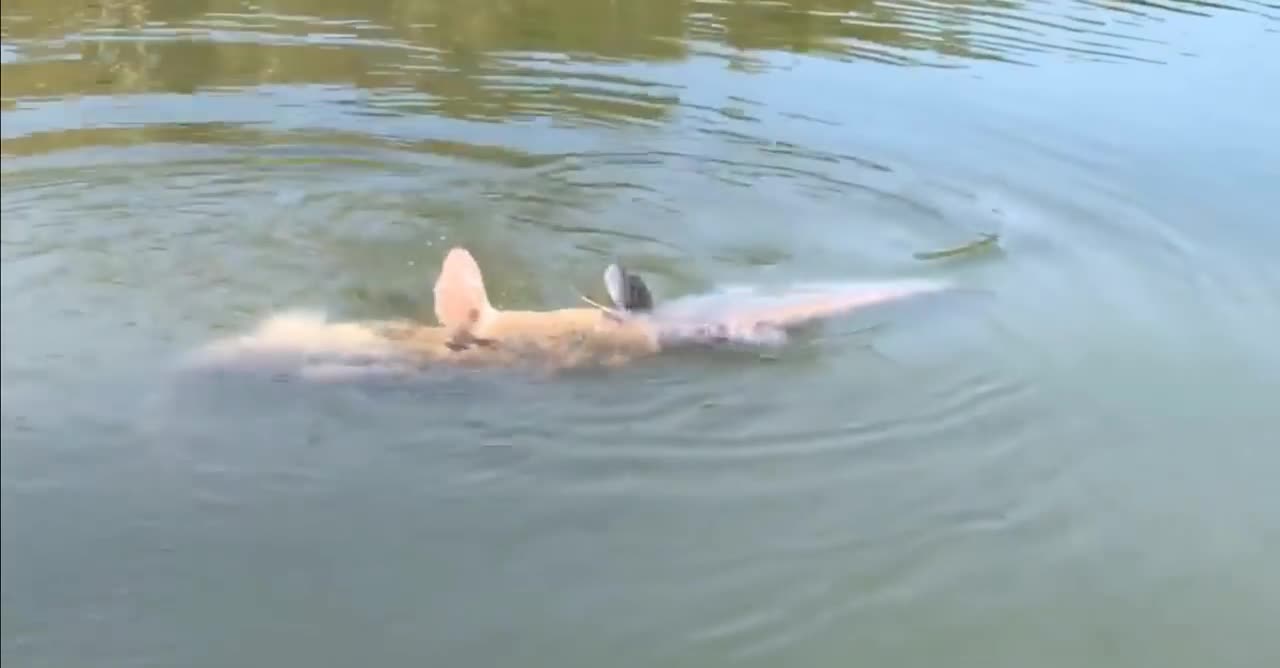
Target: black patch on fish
(465, 341)
(627, 290)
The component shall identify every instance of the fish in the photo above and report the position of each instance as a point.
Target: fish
(471, 332)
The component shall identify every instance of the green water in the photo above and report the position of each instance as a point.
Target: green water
(1070, 462)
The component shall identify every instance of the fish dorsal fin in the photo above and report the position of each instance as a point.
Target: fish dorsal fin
(628, 291)
(460, 297)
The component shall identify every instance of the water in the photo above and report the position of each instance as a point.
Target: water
(1070, 464)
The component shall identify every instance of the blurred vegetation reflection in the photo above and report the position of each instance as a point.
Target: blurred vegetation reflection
(564, 61)
(477, 57)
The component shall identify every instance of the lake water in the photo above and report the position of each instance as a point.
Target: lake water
(1070, 462)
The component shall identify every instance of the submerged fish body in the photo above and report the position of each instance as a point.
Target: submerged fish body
(756, 316)
(304, 345)
(307, 345)
(472, 333)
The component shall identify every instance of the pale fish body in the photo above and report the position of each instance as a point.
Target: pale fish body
(749, 315)
(472, 333)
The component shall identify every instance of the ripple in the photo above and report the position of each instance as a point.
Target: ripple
(926, 32)
(173, 171)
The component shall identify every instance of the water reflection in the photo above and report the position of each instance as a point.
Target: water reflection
(496, 59)
(174, 170)
(120, 71)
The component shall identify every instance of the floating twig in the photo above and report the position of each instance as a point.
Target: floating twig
(985, 242)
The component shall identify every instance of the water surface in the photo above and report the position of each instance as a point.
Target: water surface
(1072, 464)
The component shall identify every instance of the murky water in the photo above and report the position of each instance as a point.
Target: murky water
(1071, 463)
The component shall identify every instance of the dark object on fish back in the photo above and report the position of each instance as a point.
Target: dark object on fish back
(627, 290)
